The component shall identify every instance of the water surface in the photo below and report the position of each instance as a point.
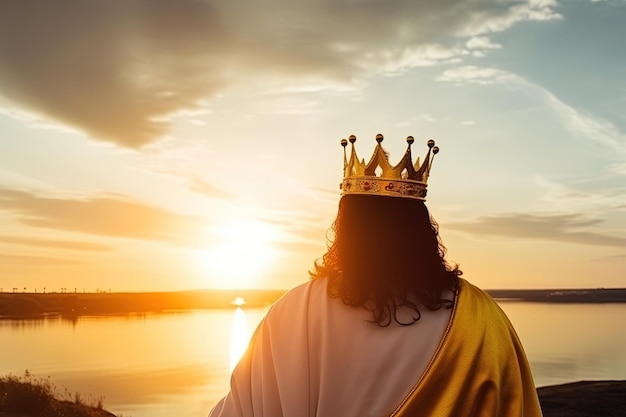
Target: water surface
(178, 364)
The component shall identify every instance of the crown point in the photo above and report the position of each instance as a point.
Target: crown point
(378, 177)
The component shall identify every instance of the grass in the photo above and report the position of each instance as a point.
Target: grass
(37, 397)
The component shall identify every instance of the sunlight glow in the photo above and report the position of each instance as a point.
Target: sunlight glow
(242, 253)
(239, 337)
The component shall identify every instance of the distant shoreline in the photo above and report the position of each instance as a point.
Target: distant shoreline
(23, 304)
(595, 295)
(85, 304)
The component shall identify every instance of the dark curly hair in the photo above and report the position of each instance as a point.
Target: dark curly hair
(386, 254)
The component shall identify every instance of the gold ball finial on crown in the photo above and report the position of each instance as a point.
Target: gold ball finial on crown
(406, 180)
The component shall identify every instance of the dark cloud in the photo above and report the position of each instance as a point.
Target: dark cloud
(611, 258)
(556, 227)
(58, 244)
(110, 68)
(107, 216)
(117, 69)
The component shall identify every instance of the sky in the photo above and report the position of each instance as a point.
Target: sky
(161, 145)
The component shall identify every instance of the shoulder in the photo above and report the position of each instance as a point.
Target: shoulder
(468, 290)
(477, 305)
(471, 298)
(300, 296)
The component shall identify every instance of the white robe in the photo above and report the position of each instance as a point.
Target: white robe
(314, 356)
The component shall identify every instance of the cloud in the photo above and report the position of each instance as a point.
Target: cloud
(106, 216)
(28, 260)
(200, 186)
(610, 258)
(619, 168)
(58, 244)
(421, 118)
(471, 74)
(579, 123)
(568, 228)
(120, 70)
(589, 127)
(481, 42)
(593, 195)
(509, 15)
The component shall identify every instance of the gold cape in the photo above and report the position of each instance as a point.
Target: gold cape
(479, 369)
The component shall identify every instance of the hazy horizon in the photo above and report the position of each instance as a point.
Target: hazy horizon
(199, 290)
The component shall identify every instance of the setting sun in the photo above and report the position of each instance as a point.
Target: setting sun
(241, 254)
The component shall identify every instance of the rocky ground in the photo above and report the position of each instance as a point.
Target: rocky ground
(584, 399)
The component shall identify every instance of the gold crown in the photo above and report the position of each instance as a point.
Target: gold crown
(403, 180)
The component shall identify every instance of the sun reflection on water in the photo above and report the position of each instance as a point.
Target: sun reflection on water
(239, 337)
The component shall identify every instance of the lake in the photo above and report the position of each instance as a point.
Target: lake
(178, 364)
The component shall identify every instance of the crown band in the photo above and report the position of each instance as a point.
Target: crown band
(406, 180)
(385, 187)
